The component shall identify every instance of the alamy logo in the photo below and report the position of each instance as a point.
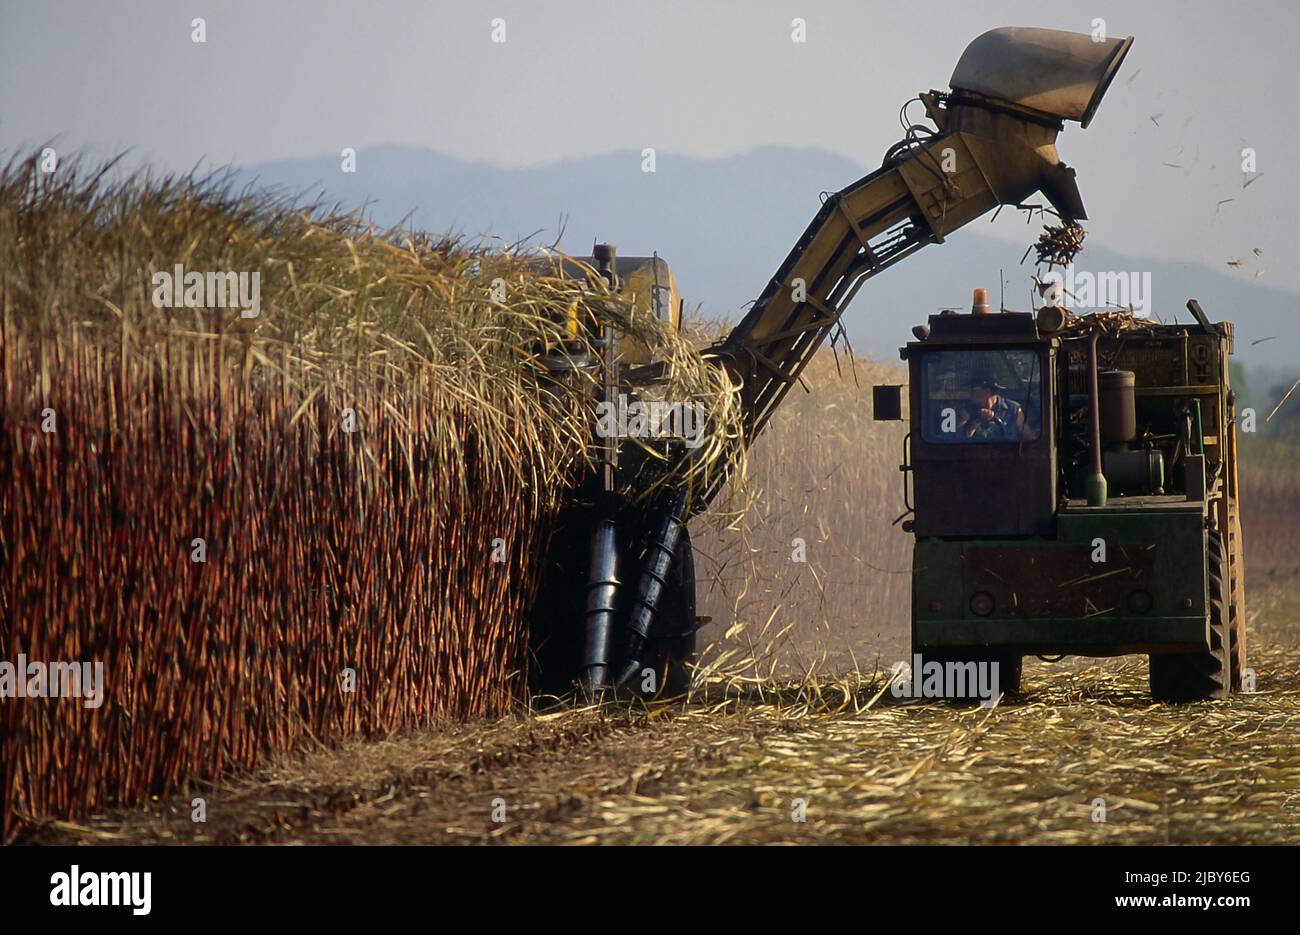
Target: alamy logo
(1084, 289)
(179, 289)
(75, 888)
(23, 679)
(949, 679)
(653, 419)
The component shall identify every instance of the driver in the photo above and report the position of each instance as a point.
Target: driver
(990, 416)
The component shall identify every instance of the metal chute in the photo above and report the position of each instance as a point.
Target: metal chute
(1059, 74)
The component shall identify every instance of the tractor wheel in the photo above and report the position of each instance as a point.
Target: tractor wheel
(1203, 676)
(1009, 666)
(1009, 672)
(1237, 606)
(555, 621)
(671, 650)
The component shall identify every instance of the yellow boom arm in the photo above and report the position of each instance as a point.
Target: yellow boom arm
(995, 144)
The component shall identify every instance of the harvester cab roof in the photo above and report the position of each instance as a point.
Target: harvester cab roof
(647, 282)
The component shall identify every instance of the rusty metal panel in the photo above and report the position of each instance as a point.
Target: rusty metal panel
(1154, 361)
(1203, 360)
(1060, 580)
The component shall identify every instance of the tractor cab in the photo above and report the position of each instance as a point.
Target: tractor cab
(980, 451)
(1073, 492)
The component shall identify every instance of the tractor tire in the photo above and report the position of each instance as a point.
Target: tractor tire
(671, 650)
(1237, 606)
(555, 621)
(1010, 666)
(1009, 672)
(1203, 676)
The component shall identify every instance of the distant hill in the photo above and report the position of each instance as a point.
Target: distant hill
(726, 224)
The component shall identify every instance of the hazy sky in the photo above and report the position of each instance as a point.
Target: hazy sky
(280, 79)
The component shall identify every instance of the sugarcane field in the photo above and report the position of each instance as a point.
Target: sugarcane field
(466, 429)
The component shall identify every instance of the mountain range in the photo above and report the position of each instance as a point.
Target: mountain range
(725, 225)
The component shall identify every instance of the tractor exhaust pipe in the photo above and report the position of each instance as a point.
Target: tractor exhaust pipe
(1096, 482)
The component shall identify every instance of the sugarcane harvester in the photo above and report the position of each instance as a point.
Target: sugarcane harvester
(993, 143)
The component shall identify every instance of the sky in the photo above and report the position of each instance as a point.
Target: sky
(279, 79)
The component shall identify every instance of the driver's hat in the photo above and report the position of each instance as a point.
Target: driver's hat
(985, 379)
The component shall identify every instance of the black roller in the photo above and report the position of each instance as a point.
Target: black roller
(655, 566)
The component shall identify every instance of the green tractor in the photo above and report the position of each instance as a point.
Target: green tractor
(1071, 482)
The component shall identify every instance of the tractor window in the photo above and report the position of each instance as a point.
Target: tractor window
(981, 396)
